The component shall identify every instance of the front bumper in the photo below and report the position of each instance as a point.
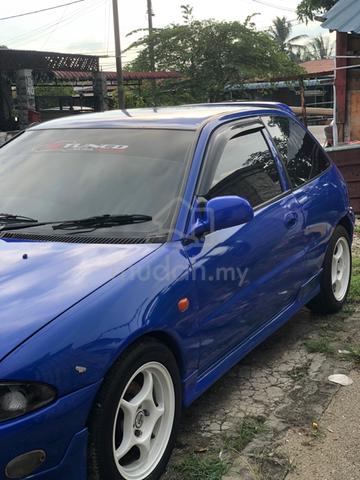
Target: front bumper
(59, 430)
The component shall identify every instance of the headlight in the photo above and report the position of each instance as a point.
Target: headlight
(17, 399)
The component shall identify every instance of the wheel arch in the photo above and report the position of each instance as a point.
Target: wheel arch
(165, 338)
(93, 462)
(170, 342)
(346, 222)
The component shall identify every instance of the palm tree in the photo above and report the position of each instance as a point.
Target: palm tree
(320, 47)
(280, 31)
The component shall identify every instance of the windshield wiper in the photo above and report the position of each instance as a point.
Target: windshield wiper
(12, 218)
(101, 221)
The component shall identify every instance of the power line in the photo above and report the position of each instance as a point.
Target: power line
(42, 10)
(107, 27)
(271, 5)
(55, 27)
(42, 31)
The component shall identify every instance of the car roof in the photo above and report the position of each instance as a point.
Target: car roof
(185, 117)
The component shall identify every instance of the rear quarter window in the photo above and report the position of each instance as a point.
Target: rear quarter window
(303, 157)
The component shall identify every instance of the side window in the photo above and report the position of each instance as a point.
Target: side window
(246, 168)
(303, 157)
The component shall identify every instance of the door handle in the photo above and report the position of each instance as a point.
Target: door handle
(291, 219)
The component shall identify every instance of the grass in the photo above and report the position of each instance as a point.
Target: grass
(321, 345)
(354, 293)
(357, 229)
(194, 467)
(244, 433)
(210, 466)
(352, 352)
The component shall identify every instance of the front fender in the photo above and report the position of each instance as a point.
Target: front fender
(93, 333)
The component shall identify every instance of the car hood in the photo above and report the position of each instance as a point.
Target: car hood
(40, 280)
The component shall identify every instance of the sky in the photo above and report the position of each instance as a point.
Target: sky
(86, 27)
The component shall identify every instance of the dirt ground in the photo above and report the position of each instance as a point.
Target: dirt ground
(335, 455)
(275, 415)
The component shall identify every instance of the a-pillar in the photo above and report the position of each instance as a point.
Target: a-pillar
(100, 91)
(25, 93)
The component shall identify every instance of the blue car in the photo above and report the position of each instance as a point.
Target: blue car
(143, 254)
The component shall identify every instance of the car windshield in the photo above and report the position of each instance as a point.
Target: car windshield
(59, 175)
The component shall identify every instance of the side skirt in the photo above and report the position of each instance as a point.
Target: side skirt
(195, 386)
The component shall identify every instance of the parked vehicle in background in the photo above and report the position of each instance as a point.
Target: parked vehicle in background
(143, 254)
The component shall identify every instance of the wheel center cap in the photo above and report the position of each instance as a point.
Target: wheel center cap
(139, 419)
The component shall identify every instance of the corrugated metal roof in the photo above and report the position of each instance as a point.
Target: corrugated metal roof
(11, 60)
(344, 16)
(128, 76)
(281, 84)
(291, 84)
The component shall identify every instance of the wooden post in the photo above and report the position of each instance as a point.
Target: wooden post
(341, 83)
(303, 103)
(119, 70)
(151, 48)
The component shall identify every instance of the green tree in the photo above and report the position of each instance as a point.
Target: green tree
(211, 55)
(54, 91)
(280, 31)
(49, 94)
(320, 47)
(309, 9)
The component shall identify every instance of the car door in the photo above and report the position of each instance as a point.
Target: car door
(306, 164)
(245, 275)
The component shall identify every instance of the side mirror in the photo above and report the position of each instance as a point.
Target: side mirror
(222, 212)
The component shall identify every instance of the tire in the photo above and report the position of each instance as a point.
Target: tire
(336, 275)
(138, 404)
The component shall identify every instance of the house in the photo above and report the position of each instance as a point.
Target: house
(344, 19)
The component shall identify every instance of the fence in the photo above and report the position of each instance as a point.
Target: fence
(347, 158)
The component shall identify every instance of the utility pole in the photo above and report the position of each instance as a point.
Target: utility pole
(151, 46)
(119, 70)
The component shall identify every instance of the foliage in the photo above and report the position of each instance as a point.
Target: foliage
(49, 94)
(196, 468)
(212, 54)
(354, 293)
(280, 31)
(54, 91)
(352, 352)
(309, 9)
(245, 432)
(319, 48)
(167, 93)
(132, 100)
(321, 345)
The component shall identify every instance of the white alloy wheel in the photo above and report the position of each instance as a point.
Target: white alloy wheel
(143, 421)
(340, 269)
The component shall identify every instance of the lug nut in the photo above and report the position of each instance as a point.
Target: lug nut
(138, 433)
